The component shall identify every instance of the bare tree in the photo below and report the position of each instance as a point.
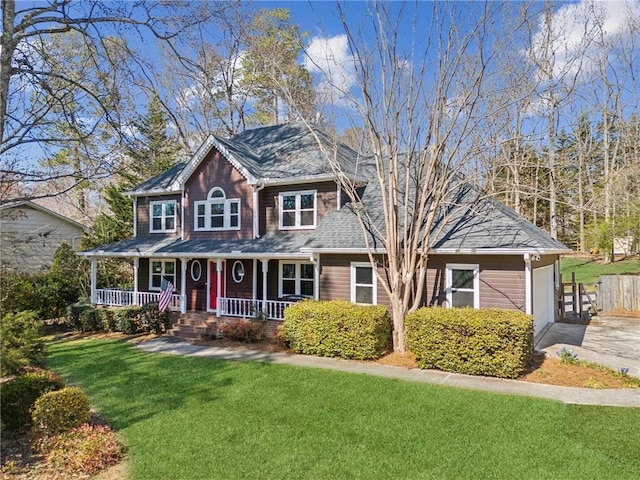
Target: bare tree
(34, 83)
(417, 110)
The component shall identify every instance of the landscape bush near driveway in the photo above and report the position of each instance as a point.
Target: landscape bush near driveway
(492, 342)
(337, 328)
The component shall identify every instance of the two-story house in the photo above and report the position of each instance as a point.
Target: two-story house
(255, 221)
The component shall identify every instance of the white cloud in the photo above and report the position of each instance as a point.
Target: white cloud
(329, 59)
(581, 35)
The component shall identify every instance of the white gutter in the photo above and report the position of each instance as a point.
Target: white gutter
(323, 177)
(135, 217)
(256, 209)
(182, 215)
(192, 255)
(528, 281)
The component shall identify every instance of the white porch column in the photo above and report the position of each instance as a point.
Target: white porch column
(94, 280)
(265, 271)
(183, 284)
(218, 285)
(136, 268)
(254, 280)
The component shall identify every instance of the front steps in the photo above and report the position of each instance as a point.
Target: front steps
(195, 326)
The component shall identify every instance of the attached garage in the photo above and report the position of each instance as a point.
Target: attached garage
(542, 284)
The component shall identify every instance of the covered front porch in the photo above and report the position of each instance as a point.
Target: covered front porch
(226, 307)
(250, 278)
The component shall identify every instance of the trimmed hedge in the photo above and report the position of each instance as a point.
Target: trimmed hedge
(20, 393)
(337, 328)
(152, 320)
(59, 411)
(242, 330)
(127, 319)
(74, 311)
(492, 342)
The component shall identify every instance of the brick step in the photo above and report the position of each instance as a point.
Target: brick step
(194, 326)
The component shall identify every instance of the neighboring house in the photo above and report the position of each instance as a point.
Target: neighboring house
(250, 221)
(30, 234)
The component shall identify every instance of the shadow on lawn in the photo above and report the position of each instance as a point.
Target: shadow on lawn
(130, 386)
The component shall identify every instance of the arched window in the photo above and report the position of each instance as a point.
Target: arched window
(217, 212)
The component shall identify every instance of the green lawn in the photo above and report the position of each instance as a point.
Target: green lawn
(196, 418)
(588, 270)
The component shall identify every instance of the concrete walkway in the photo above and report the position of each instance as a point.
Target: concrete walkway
(584, 396)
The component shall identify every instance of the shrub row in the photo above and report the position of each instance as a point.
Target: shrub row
(243, 330)
(20, 394)
(337, 328)
(132, 319)
(492, 342)
(59, 414)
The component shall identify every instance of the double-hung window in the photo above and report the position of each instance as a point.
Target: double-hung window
(159, 269)
(463, 285)
(163, 216)
(363, 283)
(296, 278)
(217, 212)
(297, 210)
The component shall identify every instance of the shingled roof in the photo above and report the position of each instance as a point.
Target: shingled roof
(469, 223)
(263, 154)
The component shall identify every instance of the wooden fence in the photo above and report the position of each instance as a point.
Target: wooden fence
(578, 300)
(619, 292)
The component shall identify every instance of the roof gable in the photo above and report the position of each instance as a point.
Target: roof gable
(35, 206)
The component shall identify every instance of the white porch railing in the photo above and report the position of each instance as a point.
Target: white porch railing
(120, 298)
(251, 308)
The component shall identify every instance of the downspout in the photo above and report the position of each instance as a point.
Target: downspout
(256, 206)
(182, 215)
(528, 281)
(135, 217)
(315, 260)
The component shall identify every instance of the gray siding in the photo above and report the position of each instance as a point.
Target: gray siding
(29, 238)
(502, 279)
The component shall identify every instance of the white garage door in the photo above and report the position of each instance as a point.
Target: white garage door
(542, 298)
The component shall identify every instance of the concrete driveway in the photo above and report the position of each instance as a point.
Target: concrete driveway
(608, 340)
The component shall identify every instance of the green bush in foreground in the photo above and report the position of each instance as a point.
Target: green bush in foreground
(337, 328)
(19, 395)
(492, 342)
(20, 344)
(61, 410)
(127, 319)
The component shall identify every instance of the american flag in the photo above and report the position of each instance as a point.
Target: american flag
(165, 296)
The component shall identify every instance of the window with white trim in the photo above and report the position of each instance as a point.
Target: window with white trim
(162, 216)
(161, 268)
(463, 285)
(297, 210)
(217, 212)
(364, 285)
(296, 278)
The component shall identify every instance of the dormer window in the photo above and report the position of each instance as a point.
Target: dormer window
(297, 210)
(217, 212)
(163, 216)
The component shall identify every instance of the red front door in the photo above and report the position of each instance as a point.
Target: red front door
(213, 285)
